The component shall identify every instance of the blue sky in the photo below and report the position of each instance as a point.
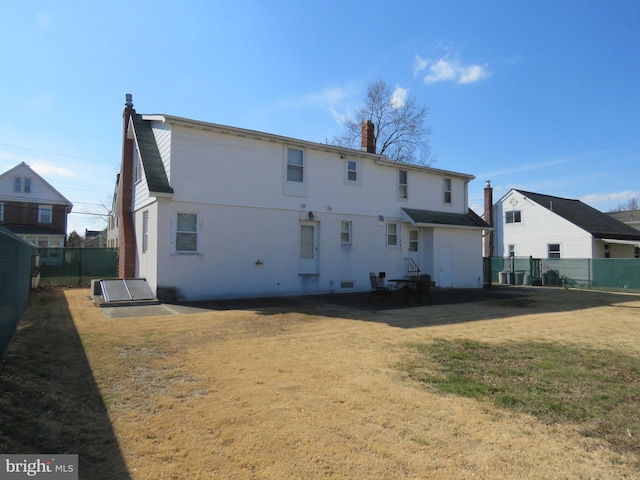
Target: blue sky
(539, 95)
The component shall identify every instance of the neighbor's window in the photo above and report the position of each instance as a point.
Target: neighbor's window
(145, 231)
(345, 232)
(187, 232)
(392, 235)
(413, 240)
(352, 170)
(514, 216)
(1, 212)
(22, 185)
(554, 250)
(447, 190)
(295, 165)
(403, 190)
(512, 250)
(45, 214)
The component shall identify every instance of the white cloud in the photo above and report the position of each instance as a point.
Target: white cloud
(399, 97)
(449, 70)
(45, 169)
(611, 197)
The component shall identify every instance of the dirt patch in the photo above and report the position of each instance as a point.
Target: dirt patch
(301, 391)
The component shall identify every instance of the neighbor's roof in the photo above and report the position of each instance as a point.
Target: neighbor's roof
(441, 219)
(154, 171)
(598, 224)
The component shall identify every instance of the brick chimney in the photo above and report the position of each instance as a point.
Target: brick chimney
(368, 141)
(488, 218)
(127, 235)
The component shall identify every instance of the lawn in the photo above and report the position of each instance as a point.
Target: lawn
(540, 386)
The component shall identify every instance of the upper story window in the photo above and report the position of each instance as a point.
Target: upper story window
(186, 232)
(447, 191)
(554, 250)
(295, 165)
(22, 185)
(513, 216)
(45, 214)
(137, 166)
(403, 186)
(345, 232)
(352, 171)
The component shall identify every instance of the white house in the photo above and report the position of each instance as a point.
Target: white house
(32, 209)
(543, 226)
(210, 211)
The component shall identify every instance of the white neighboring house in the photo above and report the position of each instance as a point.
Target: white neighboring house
(630, 217)
(544, 226)
(209, 211)
(32, 209)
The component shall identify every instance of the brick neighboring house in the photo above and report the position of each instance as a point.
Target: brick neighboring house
(32, 209)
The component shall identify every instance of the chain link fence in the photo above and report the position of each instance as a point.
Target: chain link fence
(17, 267)
(600, 273)
(61, 267)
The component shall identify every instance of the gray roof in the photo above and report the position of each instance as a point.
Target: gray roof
(626, 216)
(470, 219)
(154, 171)
(598, 224)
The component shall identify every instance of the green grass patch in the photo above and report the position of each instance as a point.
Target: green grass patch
(597, 389)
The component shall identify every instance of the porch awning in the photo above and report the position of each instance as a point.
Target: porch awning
(430, 218)
(635, 243)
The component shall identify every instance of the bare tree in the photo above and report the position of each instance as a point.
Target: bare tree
(398, 119)
(632, 204)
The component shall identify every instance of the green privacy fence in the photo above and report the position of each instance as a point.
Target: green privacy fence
(76, 266)
(604, 273)
(17, 264)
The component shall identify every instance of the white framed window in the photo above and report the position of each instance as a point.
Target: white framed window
(554, 250)
(45, 214)
(413, 240)
(447, 191)
(145, 231)
(345, 232)
(403, 186)
(1, 212)
(513, 216)
(137, 166)
(393, 232)
(186, 233)
(352, 171)
(21, 185)
(512, 250)
(295, 165)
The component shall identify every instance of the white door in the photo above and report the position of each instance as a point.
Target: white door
(308, 262)
(445, 267)
(414, 247)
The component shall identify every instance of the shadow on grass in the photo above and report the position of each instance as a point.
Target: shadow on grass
(49, 399)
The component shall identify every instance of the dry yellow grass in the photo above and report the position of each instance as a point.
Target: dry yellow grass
(313, 394)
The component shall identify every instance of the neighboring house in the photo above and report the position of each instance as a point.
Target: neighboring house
(95, 239)
(32, 209)
(543, 226)
(113, 226)
(630, 217)
(210, 211)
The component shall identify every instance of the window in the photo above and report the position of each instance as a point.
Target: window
(187, 232)
(607, 252)
(554, 250)
(352, 171)
(403, 190)
(392, 235)
(345, 232)
(514, 216)
(1, 212)
(137, 166)
(636, 252)
(45, 214)
(295, 165)
(145, 231)
(447, 190)
(413, 240)
(22, 185)
(512, 250)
